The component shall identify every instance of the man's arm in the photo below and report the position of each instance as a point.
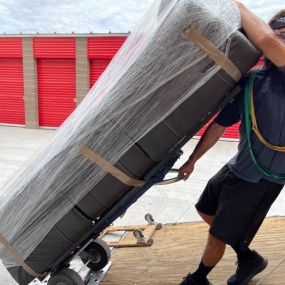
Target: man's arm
(209, 138)
(262, 36)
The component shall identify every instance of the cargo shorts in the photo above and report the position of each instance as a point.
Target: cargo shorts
(239, 207)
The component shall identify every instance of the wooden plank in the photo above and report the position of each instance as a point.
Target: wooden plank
(149, 231)
(125, 228)
(129, 240)
(177, 249)
(128, 243)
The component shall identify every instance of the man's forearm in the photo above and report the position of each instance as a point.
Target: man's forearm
(209, 138)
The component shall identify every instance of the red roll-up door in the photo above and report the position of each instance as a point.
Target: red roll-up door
(101, 50)
(56, 79)
(104, 47)
(97, 67)
(57, 90)
(232, 132)
(11, 92)
(11, 82)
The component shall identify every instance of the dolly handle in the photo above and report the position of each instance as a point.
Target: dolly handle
(171, 180)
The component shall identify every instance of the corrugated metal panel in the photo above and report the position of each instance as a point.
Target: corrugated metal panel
(11, 48)
(232, 132)
(104, 47)
(57, 90)
(11, 91)
(97, 67)
(54, 47)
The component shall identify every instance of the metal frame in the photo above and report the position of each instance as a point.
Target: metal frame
(156, 175)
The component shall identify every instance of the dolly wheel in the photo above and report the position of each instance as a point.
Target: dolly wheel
(149, 219)
(65, 276)
(96, 255)
(138, 234)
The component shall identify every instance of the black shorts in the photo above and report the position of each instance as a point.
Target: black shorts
(238, 207)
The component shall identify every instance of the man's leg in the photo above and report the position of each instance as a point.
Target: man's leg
(214, 249)
(247, 268)
(243, 253)
(206, 218)
(250, 262)
(213, 253)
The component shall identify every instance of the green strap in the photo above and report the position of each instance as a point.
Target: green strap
(248, 125)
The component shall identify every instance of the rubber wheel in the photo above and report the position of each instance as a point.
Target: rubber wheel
(98, 254)
(149, 218)
(65, 276)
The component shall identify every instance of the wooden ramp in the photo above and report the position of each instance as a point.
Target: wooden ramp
(177, 249)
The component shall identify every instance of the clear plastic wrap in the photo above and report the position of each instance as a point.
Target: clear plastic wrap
(119, 110)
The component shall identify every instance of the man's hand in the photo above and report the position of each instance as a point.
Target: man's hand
(186, 169)
(212, 134)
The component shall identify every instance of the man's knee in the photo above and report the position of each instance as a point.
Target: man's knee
(215, 242)
(214, 251)
(207, 218)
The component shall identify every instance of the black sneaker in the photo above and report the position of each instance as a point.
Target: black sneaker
(188, 280)
(248, 269)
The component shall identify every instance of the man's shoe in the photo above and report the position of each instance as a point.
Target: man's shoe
(188, 280)
(248, 269)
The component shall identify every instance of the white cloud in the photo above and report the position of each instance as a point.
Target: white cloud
(84, 16)
(62, 16)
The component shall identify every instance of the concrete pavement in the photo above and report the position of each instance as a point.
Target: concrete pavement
(168, 204)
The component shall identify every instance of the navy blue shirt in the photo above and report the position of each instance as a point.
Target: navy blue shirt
(269, 102)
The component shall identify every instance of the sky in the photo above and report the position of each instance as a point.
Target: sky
(85, 16)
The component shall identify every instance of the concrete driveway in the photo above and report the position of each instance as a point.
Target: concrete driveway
(168, 204)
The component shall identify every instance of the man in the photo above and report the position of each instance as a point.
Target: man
(237, 198)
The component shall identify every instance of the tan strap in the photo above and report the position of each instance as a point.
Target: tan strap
(17, 256)
(214, 53)
(109, 168)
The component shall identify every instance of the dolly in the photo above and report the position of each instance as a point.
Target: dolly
(142, 234)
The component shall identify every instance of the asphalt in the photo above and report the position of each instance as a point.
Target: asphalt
(168, 204)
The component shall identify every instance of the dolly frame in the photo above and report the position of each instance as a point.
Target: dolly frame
(155, 176)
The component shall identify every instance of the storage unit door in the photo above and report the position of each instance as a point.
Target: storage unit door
(101, 50)
(97, 67)
(57, 90)
(11, 91)
(232, 132)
